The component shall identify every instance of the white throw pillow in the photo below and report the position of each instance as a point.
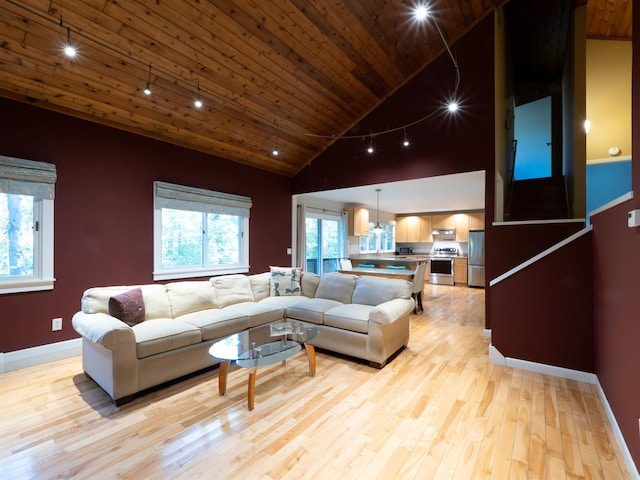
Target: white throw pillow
(285, 281)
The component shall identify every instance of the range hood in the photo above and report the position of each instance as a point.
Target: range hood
(444, 233)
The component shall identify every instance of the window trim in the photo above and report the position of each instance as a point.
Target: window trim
(37, 179)
(167, 195)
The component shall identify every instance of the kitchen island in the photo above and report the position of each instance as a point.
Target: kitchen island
(403, 274)
(409, 261)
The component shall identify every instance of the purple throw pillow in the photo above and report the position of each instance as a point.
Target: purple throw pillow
(128, 307)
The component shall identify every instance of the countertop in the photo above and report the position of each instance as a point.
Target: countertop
(402, 259)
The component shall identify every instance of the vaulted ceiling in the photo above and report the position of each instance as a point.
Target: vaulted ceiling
(291, 73)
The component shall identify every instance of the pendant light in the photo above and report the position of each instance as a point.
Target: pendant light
(377, 229)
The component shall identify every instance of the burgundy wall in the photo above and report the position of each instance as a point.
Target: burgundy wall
(544, 312)
(104, 211)
(443, 144)
(511, 245)
(616, 263)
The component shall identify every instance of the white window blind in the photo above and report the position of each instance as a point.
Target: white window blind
(27, 177)
(179, 197)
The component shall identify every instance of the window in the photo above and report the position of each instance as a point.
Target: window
(26, 225)
(199, 232)
(378, 242)
(325, 240)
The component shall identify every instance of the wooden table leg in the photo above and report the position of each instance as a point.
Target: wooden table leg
(311, 355)
(222, 376)
(252, 387)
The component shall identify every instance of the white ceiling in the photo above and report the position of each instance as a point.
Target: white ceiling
(461, 191)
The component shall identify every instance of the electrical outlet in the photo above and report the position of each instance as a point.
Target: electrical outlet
(56, 324)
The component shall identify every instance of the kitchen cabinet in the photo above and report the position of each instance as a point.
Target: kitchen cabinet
(460, 270)
(476, 221)
(459, 221)
(439, 221)
(417, 228)
(413, 229)
(425, 228)
(358, 221)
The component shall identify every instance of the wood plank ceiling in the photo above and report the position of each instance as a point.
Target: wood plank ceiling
(296, 73)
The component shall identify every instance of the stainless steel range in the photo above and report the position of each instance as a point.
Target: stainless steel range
(441, 264)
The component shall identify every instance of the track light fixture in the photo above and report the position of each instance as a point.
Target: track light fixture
(69, 49)
(275, 151)
(198, 101)
(147, 88)
(370, 147)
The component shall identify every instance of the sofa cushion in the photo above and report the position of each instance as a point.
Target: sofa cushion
(283, 302)
(231, 289)
(260, 285)
(309, 284)
(128, 307)
(162, 335)
(216, 323)
(376, 290)
(354, 317)
(186, 297)
(336, 286)
(156, 301)
(311, 309)
(258, 313)
(285, 281)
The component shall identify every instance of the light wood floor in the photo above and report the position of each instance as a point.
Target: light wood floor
(438, 410)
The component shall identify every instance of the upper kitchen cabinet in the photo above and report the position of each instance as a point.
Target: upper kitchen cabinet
(358, 221)
(459, 221)
(439, 221)
(476, 221)
(413, 229)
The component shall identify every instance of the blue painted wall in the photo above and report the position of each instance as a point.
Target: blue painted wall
(606, 182)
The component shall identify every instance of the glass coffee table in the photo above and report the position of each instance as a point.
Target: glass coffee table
(263, 346)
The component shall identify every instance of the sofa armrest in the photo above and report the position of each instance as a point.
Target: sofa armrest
(389, 312)
(102, 329)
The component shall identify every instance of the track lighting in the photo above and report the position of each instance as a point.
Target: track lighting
(147, 88)
(198, 101)
(69, 49)
(275, 151)
(420, 12)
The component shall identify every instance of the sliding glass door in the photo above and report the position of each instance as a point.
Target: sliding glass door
(324, 242)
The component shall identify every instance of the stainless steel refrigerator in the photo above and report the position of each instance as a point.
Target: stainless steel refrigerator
(475, 272)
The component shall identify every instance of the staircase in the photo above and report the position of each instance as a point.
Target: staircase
(539, 199)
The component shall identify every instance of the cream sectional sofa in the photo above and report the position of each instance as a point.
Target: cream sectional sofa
(363, 317)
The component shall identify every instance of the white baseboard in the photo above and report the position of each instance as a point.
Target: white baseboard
(30, 357)
(487, 332)
(497, 358)
(633, 471)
